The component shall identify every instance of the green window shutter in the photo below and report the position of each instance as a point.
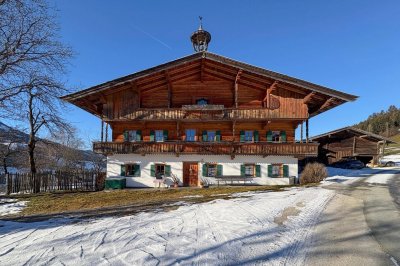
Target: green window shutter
(165, 133)
(136, 170)
(283, 136)
(241, 136)
(126, 137)
(138, 135)
(152, 170)
(258, 170)
(256, 137)
(123, 172)
(218, 135)
(285, 170)
(242, 170)
(219, 170)
(269, 136)
(269, 170)
(205, 135)
(151, 135)
(167, 170)
(204, 170)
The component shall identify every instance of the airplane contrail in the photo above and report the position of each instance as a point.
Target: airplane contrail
(153, 37)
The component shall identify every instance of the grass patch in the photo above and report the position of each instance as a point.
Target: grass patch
(59, 202)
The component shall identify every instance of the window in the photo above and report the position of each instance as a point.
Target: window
(249, 169)
(130, 170)
(160, 171)
(190, 135)
(132, 135)
(212, 170)
(202, 101)
(210, 136)
(159, 135)
(276, 136)
(248, 136)
(276, 170)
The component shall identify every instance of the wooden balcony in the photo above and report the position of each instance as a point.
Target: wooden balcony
(207, 148)
(173, 114)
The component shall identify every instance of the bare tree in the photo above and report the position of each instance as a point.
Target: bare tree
(11, 147)
(32, 62)
(28, 41)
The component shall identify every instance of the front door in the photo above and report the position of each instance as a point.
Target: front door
(190, 174)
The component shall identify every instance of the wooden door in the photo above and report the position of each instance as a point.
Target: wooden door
(190, 174)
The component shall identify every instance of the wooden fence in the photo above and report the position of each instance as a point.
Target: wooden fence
(55, 181)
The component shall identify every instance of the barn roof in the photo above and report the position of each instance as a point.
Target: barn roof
(353, 131)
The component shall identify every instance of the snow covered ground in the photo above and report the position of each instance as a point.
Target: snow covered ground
(269, 228)
(347, 176)
(11, 206)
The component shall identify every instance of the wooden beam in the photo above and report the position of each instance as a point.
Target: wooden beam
(327, 103)
(301, 132)
(168, 88)
(236, 87)
(308, 97)
(233, 129)
(268, 92)
(354, 145)
(202, 70)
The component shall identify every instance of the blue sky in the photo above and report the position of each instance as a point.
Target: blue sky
(352, 46)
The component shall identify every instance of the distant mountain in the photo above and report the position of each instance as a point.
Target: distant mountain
(50, 154)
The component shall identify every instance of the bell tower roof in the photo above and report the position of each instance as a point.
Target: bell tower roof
(200, 38)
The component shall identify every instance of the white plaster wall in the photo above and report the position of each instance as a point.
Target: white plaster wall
(230, 167)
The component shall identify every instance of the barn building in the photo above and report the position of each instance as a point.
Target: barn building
(204, 117)
(350, 142)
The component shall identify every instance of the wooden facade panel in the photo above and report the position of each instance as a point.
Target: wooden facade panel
(226, 129)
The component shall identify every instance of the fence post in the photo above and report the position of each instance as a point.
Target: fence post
(8, 184)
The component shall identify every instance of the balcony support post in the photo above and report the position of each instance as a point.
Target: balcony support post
(106, 132)
(307, 131)
(301, 132)
(102, 130)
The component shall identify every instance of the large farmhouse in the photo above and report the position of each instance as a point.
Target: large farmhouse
(205, 116)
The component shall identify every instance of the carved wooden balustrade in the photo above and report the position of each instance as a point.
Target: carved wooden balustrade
(228, 148)
(210, 114)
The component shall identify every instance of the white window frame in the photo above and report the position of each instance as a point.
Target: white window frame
(249, 170)
(162, 173)
(211, 170)
(276, 167)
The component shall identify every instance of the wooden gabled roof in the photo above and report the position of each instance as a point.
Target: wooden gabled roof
(350, 131)
(318, 98)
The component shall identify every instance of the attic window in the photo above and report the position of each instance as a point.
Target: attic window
(202, 101)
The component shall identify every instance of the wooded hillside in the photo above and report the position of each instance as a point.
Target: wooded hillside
(385, 123)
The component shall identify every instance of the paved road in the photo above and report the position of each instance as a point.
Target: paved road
(360, 226)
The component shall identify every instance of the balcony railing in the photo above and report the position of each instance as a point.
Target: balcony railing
(228, 148)
(210, 114)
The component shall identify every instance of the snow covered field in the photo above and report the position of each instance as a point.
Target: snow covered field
(11, 206)
(265, 227)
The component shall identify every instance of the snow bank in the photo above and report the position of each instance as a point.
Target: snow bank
(11, 206)
(347, 176)
(221, 232)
